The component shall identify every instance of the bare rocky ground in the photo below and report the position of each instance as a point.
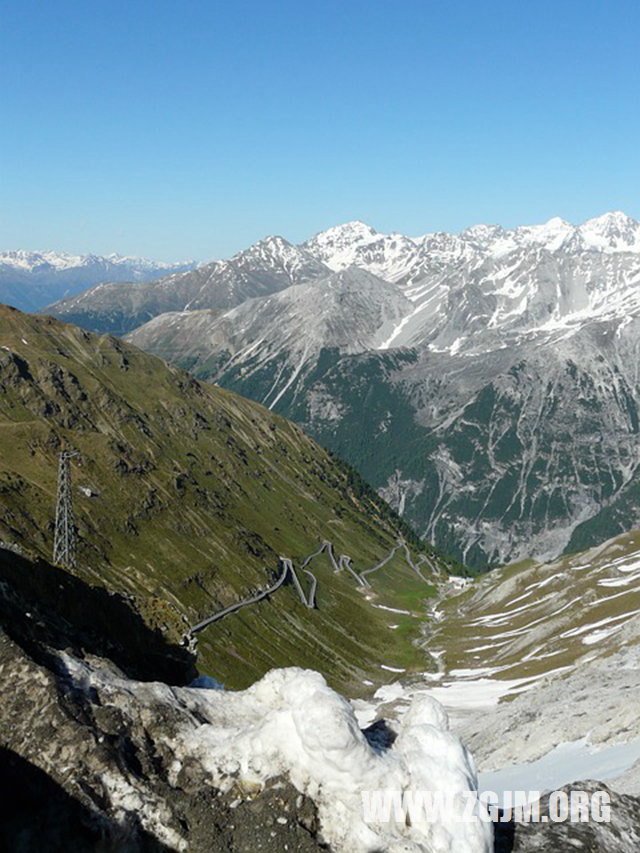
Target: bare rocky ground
(78, 774)
(600, 699)
(622, 834)
(81, 770)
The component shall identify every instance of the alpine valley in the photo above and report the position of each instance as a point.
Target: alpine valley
(115, 733)
(485, 383)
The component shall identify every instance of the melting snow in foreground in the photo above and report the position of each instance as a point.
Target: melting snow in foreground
(291, 723)
(564, 764)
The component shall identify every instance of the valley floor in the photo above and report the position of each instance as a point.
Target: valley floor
(538, 667)
(284, 763)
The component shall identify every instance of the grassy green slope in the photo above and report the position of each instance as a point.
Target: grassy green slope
(526, 620)
(196, 492)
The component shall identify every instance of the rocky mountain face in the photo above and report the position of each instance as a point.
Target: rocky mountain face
(559, 645)
(489, 391)
(107, 744)
(273, 335)
(268, 267)
(186, 497)
(123, 793)
(31, 280)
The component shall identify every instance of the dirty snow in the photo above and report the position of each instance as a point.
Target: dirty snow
(291, 723)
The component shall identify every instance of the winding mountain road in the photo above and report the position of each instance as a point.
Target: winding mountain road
(345, 563)
(385, 561)
(309, 599)
(287, 568)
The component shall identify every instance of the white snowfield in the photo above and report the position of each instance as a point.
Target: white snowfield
(545, 687)
(510, 269)
(291, 723)
(27, 261)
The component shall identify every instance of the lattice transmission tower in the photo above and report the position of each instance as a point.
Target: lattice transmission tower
(64, 541)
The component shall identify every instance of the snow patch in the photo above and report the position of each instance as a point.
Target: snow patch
(290, 723)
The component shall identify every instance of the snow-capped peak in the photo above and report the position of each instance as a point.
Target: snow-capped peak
(273, 245)
(355, 231)
(550, 235)
(276, 255)
(611, 232)
(483, 235)
(30, 261)
(613, 219)
(337, 247)
(357, 244)
(557, 223)
(22, 259)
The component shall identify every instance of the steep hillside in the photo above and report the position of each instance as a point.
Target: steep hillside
(187, 494)
(267, 267)
(551, 652)
(498, 413)
(529, 619)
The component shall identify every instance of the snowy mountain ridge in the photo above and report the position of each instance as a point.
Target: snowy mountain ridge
(31, 280)
(345, 244)
(29, 261)
(469, 290)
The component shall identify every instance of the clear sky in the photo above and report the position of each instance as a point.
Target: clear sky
(192, 128)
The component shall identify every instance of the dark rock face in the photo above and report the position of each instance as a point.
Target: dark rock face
(36, 813)
(621, 835)
(44, 608)
(278, 818)
(78, 773)
(65, 763)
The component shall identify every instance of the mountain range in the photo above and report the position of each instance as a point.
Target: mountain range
(486, 383)
(186, 496)
(267, 267)
(31, 280)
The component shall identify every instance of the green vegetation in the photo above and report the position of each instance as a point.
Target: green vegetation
(193, 493)
(483, 459)
(527, 619)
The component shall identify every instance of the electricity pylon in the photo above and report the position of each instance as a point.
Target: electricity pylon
(64, 541)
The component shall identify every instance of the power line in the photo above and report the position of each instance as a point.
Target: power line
(64, 542)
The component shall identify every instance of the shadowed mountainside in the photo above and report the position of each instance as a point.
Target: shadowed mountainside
(186, 495)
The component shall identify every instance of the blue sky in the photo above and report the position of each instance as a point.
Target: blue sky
(191, 129)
